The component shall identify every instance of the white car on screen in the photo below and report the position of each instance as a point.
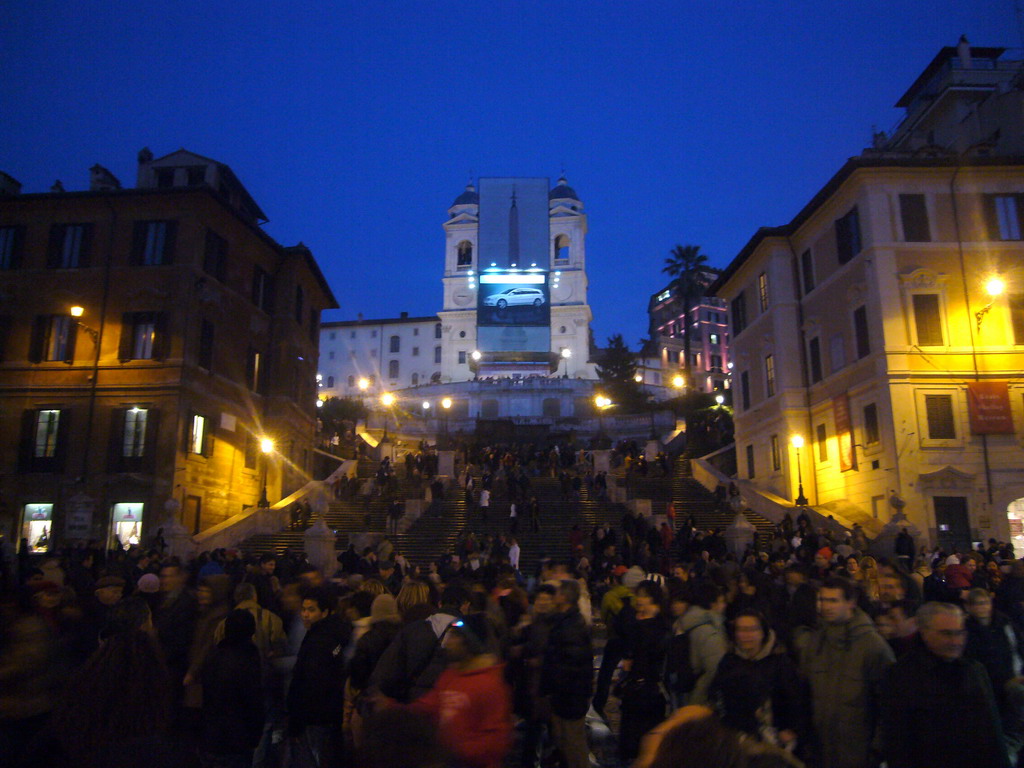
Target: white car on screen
(515, 297)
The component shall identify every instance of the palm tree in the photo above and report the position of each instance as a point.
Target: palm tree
(686, 266)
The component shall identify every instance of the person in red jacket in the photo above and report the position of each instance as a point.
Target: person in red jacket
(470, 701)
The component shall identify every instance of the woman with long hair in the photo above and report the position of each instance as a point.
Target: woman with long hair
(117, 706)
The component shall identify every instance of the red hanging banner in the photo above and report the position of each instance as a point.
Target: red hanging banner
(988, 403)
(844, 433)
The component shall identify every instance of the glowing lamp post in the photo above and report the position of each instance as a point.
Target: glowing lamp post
(994, 287)
(387, 400)
(446, 405)
(797, 441)
(266, 448)
(601, 402)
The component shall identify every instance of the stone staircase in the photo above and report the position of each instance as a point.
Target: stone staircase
(692, 498)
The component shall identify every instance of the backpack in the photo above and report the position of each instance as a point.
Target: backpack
(679, 675)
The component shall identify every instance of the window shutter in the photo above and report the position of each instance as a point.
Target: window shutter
(139, 242)
(208, 439)
(85, 254)
(127, 332)
(162, 342)
(927, 319)
(152, 436)
(69, 352)
(63, 439)
(53, 253)
(5, 332)
(170, 240)
(17, 247)
(28, 423)
(115, 455)
(988, 205)
(40, 327)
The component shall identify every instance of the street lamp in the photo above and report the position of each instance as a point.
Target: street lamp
(363, 383)
(720, 399)
(678, 382)
(566, 353)
(601, 402)
(387, 400)
(797, 441)
(994, 287)
(446, 404)
(267, 448)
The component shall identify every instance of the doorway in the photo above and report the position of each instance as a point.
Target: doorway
(193, 513)
(952, 525)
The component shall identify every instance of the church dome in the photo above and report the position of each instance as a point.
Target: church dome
(562, 190)
(469, 196)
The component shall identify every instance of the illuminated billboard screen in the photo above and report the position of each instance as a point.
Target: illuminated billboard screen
(514, 312)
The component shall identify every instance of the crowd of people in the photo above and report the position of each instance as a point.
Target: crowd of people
(804, 649)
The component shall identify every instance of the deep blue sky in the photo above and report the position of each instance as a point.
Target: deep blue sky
(355, 125)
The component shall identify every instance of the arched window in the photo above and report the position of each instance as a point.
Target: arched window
(465, 259)
(330, 382)
(435, 377)
(351, 381)
(395, 343)
(437, 331)
(561, 248)
(393, 369)
(415, 379)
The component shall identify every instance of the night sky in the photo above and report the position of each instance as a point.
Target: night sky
(355, 125)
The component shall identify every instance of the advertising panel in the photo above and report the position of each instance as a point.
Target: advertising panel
(988, 403)
(844, 433)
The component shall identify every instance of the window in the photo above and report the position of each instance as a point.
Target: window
(351, 381)
(437, 331)
(205, 358)
(914, 215)
(332, 335)
(53, 339)
(373, 334)
(750, 462)
(415, 379)
(769, 374)
(262, 290)
(251, 451)
(776, 457)
(939, 412)
(1004, 216)
(716, 361)
(1016, 304)
(47, 426)
(465, 255)
(415, 351)
(153, 242)
(5, 332)
(164, 178)
(762, 290)
(745, 389)
(44, 442)
(393, 369)
(143, 336)
(330, 355)
(395, 344)
(848, 243)
(215, 256)
(814, 359)
(462, 357)
(927, 319)
(133, 443)
(198, 439)
(837, 352)
(70, 246)
(807, 271)
(437, 354)
(822, 438)
(739, 314)
(870, 424)
(330, 382)
(255, 374)
(713, 339)
(12, 241)
(195, 175)
(860, 332)
(561, 248)
(299, 304)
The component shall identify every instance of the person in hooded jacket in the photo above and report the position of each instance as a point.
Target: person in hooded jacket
(232, 695)
(704, 623)
(756, 689)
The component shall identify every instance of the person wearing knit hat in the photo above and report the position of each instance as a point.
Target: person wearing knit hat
(632, 577)
(384, 608)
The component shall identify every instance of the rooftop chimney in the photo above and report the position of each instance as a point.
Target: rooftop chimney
(404, 315)
(102, 180)
(58, 186)
(963, 50)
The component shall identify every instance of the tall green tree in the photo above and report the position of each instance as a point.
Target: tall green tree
(617, 368)
(686, 266)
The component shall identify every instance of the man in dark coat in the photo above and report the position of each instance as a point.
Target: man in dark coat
(175, 619)
(316, 696)
(937, 707)
(566, 675)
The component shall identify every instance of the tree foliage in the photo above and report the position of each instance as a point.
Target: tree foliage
(616, 369)
(686, 265)
(340, 414)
